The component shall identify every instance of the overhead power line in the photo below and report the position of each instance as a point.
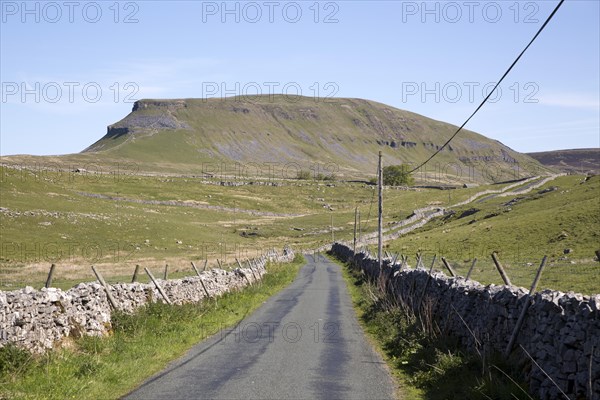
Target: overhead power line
(494, 89)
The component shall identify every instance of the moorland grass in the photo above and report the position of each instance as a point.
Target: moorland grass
(563, 215)
(47, 219)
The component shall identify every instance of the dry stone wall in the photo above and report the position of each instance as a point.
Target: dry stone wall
(39, 319)
(561, 331)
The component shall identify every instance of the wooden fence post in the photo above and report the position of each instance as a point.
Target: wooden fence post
(219, 262)
(204, 288)
(500, 269)
(252, 270)
(201, 281)
(246, 277)
(50, 276)
(255, 266)
(162, 293)
(135, 273)
(590, 380)
(166, 273)
(195, 269)
(521, 319)
(471, 269)
(448, 267)
(426, 284)
(205, 264)
(404, 262)
(109, 296)
(418, 260)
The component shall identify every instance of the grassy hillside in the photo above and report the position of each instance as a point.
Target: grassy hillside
(578, 161)
(79, 219)
(276, 135)
(561, 217)
(116, 222)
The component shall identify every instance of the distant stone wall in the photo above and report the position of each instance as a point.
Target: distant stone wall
(39, 319)
(561, 331)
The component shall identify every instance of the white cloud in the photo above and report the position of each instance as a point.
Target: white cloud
(571, 100)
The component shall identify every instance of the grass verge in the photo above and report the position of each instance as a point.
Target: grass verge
(427, 364)
(139, 346)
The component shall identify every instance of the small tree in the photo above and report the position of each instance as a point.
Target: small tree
(323, 177)
(397, 175)
(303, 174)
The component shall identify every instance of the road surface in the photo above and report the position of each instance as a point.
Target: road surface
(303, 343)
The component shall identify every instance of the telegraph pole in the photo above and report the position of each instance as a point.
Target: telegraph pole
(380, 213)
(355, 219)
(360, 228)
(331, 226)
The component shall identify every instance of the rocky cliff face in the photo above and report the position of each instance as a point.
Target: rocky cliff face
(134, 123)
(161, 119)
(170, 105)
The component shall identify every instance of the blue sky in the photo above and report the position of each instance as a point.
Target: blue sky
(70, 69)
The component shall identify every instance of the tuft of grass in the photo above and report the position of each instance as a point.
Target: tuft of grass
(14, 360)
(425, 363)
(140, 345)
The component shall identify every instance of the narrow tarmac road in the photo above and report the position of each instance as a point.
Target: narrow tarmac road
(303, 343)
